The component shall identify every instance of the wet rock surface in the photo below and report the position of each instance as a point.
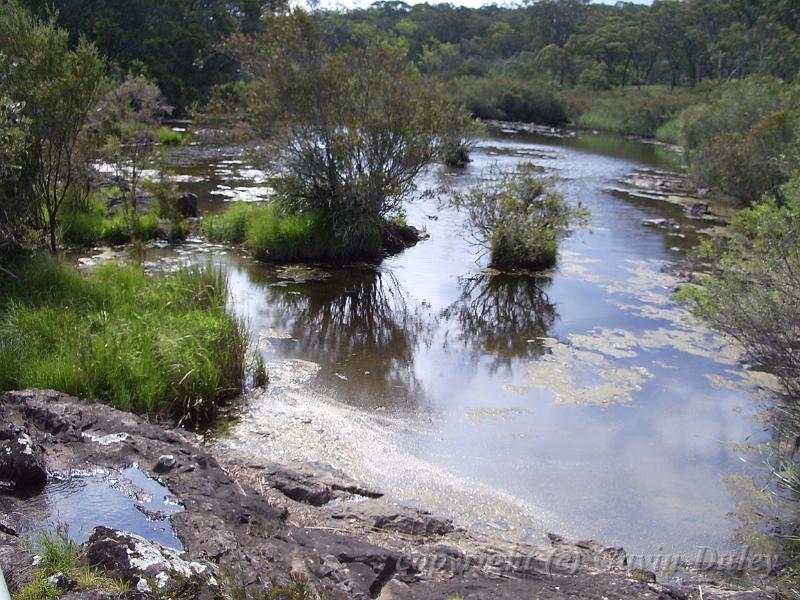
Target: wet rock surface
(149, 567)
(671, 187)
(252, 524)
(21, 463)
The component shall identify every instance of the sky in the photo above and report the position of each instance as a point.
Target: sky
(470, 3)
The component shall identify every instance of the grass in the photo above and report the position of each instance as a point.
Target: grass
(272, 234)
(60, 554)
(169, 137)
(153, 345)
(90, 224)
(649, 111)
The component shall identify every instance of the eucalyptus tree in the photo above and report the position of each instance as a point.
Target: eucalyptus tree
(56, 87)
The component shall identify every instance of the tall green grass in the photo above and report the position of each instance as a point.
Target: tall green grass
(155, 345)
(169, 137)
(649, 111)
(273, 234)
(89, 224)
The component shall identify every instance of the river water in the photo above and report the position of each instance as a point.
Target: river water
(584, 401)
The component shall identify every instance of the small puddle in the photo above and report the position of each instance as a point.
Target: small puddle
(127, 500)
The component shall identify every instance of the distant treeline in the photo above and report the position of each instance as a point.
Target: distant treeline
(567, 43)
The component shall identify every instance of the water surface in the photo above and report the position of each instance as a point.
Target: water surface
(582, 401)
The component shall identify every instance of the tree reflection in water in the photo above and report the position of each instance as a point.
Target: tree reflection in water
(362, 328)
(503, 316)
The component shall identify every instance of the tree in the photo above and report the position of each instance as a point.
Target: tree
(129, 115)
(557, 20)
(14, 211)
(56, 88)
(352, 128)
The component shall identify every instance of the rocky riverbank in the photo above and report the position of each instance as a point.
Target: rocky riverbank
(254, 529)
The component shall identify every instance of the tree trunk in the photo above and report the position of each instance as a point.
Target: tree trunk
(52, 227)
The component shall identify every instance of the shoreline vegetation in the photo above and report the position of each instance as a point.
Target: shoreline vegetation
(157, 345)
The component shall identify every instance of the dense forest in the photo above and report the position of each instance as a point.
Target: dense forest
(562, 43)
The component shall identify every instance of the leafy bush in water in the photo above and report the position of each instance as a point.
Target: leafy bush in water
(352, 127)
(148, 344)
(519, 219)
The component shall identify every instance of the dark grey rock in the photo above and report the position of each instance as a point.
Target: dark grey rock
(62, 581)
(187, 205)
(21, 460)
(698, 209)
(149, 567)
(382, 515)
(165, 463)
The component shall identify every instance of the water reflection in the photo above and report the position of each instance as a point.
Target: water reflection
(504, 316)
(362, 328)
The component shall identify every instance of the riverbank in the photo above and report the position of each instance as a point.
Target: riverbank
(273, 529)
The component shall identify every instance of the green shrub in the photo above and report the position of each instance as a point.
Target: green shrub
(155, 345)
(519, 219)
(744, 142)
(169, 137)
(509, 99)
(670, 132)
(751, 293)
(631, 111)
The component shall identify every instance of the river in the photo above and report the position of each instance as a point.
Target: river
(584, 401)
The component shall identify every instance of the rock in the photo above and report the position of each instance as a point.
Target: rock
(697, 209)
(187, 205)
(381, 515)
(149, 567)
(165, 463)
(16, 561)
(62, 581)
(358, 568)
(21, 461)
(396, 237)
(590, 552)
(303, 484)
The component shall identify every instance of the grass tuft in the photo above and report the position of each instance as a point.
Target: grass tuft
(273, 234)
(60, 554)
(169, 137)
(154, 345)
